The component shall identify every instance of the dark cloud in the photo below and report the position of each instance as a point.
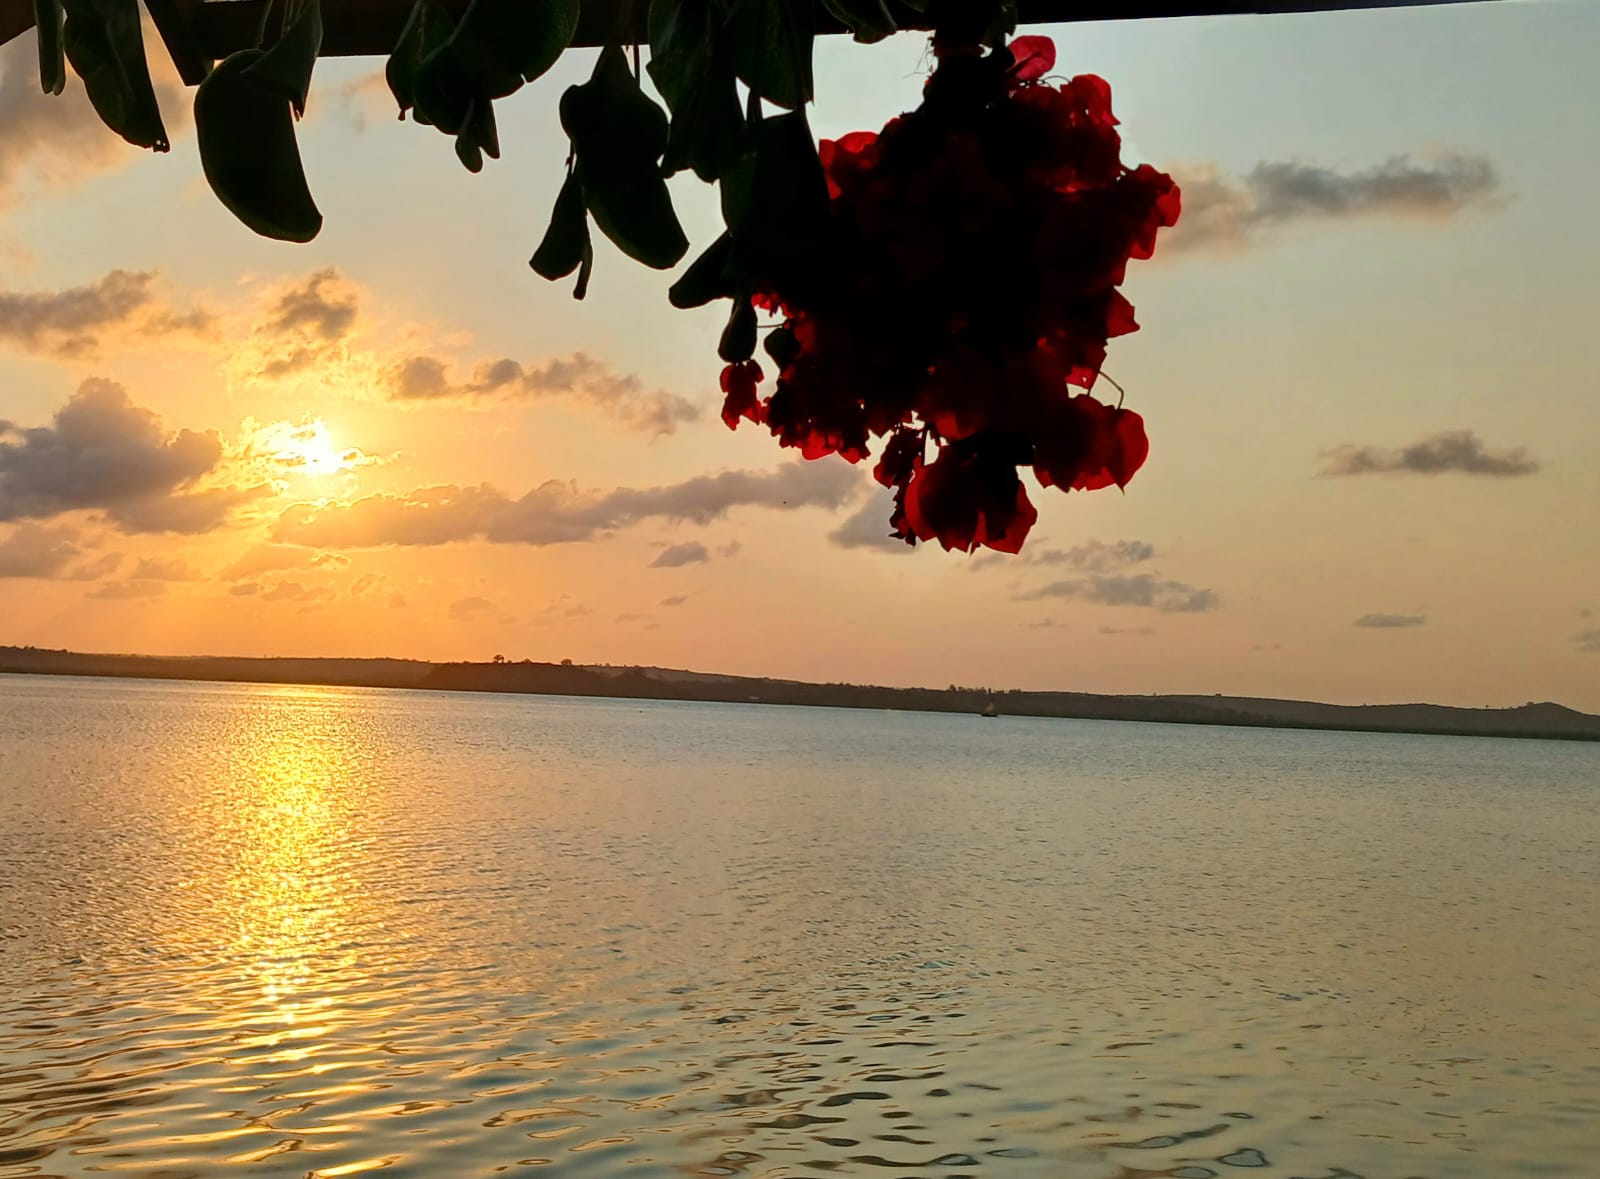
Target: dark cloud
(38, 550)
(104, 452)
(464, 608)
(1452, 451)
(270, 558)
(690, 552)
(123, 591)
(868, 528)
(54, 141)
(555, 513)
(1587, 641)
(1226, 212)
(675, 600)
(77, 322)
(1144, 590)
(155, 569)
(322, 306)
(1390, 621)
(579, 377)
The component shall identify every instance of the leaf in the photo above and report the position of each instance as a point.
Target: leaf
(478, 136)
(427, 28)
(707, 277)
(681, 34)
(500, 38)
(869, 20)
(286, 66)
(566, 241)
(444, 91)
(47, 17)
(638, 217)
(738, 342)
(101, 39)
(249, 154)
(772, 49)
(615, 129)
(775, 201)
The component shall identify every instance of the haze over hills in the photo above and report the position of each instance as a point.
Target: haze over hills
(1545, 720)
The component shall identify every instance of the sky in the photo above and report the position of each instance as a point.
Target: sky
(1365, 364)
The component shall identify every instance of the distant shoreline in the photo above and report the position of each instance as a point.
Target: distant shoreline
(1529, 722)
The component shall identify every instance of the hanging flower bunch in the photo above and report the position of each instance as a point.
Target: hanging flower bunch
(958, 299)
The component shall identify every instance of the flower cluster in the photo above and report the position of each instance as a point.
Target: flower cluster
(974, 248)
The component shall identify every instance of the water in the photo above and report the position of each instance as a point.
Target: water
(267, 931)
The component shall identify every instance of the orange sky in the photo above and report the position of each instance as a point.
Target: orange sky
(1365, 367)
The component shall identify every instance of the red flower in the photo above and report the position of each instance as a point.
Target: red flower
(966, 284)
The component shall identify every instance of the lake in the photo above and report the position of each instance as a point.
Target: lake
(277, 931)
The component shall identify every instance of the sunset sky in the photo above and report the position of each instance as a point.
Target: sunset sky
(1367, 366)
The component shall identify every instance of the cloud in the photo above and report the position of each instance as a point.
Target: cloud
(675, 600)
(579, 377)
(75, 323)
(690, 552)
(1229, 213)
(293, 591)
(1045, 624)
(248, 589)
(397, 602)
(463, 609)
(55, 141)
(104, 452)
(306, 320)
(868, 528)
(555, 512)
(1390, 621)
(1092, 555)
(1127, 630)
(364, 583)
(1452, 451)
(269, 558)
(123, 591)
(43, 551)
(1144, 590)
(1587, 641)
(155, 569)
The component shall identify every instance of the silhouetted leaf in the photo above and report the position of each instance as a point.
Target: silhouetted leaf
(692, 66)
(47, 17)
(499, 39)
(427, 28)
(566, 244)
(101, 39)
(478, 136)
(444, 91)
(738, 342)
(781, 345)
(249, 153)
(638, 217)
(286, 66)
(772, 49)
(707, 277)
(869, 20)
(775, 200)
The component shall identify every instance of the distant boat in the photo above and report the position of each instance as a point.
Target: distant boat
(990, 710)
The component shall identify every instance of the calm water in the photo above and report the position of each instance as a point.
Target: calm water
(285, 932)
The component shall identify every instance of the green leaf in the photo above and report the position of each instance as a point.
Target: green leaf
(707, 278)
(615, 128)
(738, 342)
(691, 65)
(47, 18)
(681, 35)
(775, 200)
(566, 246)
(444, 91)
(286, 66)
(427, 28)
(869, 20)
(772, 49)
(249, 154)
(478, 136)
(514, 37)
(638, 217)
(101, 39)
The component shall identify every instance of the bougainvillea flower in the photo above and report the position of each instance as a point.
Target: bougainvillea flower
(961, 296)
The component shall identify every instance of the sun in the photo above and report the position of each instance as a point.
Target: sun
(307, 449)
